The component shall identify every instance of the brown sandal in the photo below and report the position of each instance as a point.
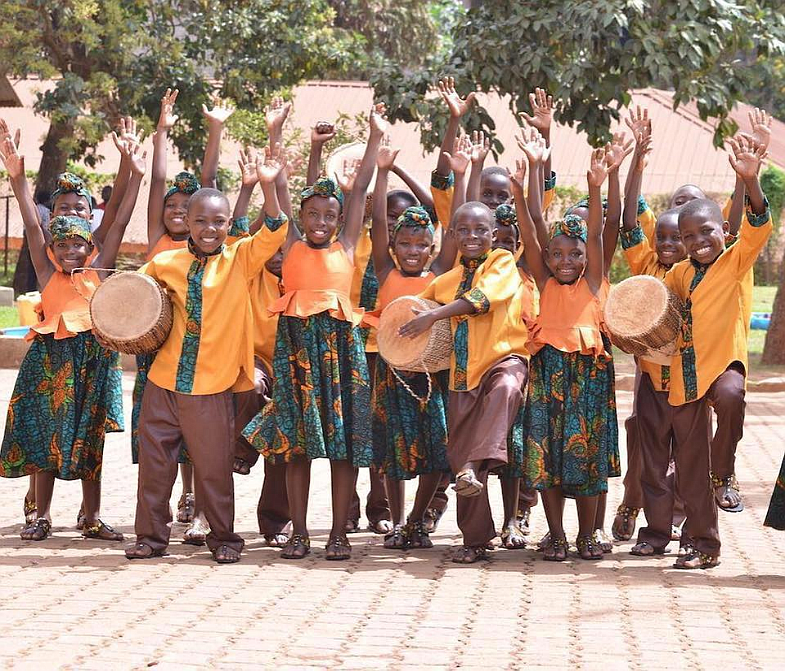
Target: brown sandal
(558, 548)
(397, 538)
(467, 484)
(101, 531)
(644, 549)
(297, 547)
(431, 519)
(624, 522)
(603, 540)
(723, 487)
(588, 548)
(38, 530)
(30, 509)
(143, 551)
(224, 554)
(185, 508)
(417, 535)
(694, 559)
(338, 548)
(469, 555)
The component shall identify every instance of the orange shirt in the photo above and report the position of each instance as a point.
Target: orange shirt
(396, 285)
(65, 303)
(569, 319)
(265, 289)
(165, 244)
(317, 280)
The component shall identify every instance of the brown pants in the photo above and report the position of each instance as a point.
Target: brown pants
(478, 422)
(684, 431)
(206, 423)
(272, 512)
(726, 396)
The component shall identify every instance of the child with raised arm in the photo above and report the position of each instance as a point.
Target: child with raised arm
(207, 356)
(409, 409)
(320, 406)
(570, 420)
(68, 393)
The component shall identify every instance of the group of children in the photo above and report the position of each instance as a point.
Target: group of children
(273, 348)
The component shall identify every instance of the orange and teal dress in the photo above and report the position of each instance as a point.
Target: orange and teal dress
(321, 398)
(409, 435)
(570, 420)
(68, 393)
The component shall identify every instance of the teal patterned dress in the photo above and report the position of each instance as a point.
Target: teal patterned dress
(409, 437)
(321, 398)
(67, 396)
(775, 517)
(570, 422)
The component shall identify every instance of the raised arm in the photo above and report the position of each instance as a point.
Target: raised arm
(275, 116)
(353, 218)
(532, 249)
(542, 119)
(458, 107)
(216, 120)
(745, 158)
(615, 153)
(632, 187)
(537, 152)
(481, 145)
(420, 191)
(248, 179)
(380, 241)
(595, 266)
(267, 171)
(321, 133)
(114, 237)
(155, 205)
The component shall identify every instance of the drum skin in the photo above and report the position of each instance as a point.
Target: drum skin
(131, 313)
(428, 352)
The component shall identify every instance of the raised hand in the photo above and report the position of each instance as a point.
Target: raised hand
(617, 150)
(276, 113)
(458, 106)
(746, 156)
(598, 170)
(137, 158)
(519, 175)
(247, 163)
(322, 132)
(348, 176)
(542, 109)
(386, 156)
(9, 152)
(378, 119)
(481, 145)
(461, 154)
(219, 112)
(760, 121)
(128, 130)
(269, 167)
(638, 122)
(534, 146)
(168, 118)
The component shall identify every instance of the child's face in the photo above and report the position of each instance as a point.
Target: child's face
(667, 239)
(274, 263)
(566, 258)
(395, 208)
(505, 237)
(319, 218)
(175, 213)
(412, 248)
(71, 205)
(703, 238)
(208, 223)
(473, 232)
(495, 190)
(684, 194)
(71, 253)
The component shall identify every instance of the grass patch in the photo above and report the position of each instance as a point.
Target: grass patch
(8, 317)
(763, 299)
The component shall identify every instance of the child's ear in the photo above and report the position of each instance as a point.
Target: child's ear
(725, 227)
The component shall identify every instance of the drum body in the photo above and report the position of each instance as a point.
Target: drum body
(643, 317)
(131, 313)
(429, 352)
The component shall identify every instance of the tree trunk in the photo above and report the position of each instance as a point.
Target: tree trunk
(24, 275)
(774, 349)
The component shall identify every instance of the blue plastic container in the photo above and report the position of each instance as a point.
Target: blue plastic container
(760, 321)
(16, 331)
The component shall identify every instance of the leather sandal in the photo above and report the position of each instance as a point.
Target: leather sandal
(38, 530)
(396, 539)
(644, 549)
(297, 547)
(30, 509)
(467, 484)
(102, 531)
(624, 522)
(338, 548)
(722, 487)
(143, 551)
(694, 559)
(417, 535)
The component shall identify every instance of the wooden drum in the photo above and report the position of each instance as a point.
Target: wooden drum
(429, 352)
(131, 313)
(644, 318)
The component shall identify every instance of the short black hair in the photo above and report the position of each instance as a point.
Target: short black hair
(404, 195)
(106, 192)
(477, 206)
(673, 213)
(206, 194)
(494, 170)
(701, 207)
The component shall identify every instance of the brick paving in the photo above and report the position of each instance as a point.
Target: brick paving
(76, 604)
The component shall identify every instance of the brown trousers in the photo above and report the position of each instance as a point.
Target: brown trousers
(685, 432)
(478, 422)
(726, 396)
(272, 512)
(206, 423)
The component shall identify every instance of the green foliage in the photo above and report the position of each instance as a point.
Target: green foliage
(772, 181)
(590, 56)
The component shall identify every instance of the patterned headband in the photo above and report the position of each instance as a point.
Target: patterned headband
(572, 226)
(584, 203)
(67, 182)
(184, 182)
(324, 186)
(414, 217)
(61, 228)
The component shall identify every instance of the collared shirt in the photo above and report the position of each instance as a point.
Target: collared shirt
(211, 345)
(496, 329)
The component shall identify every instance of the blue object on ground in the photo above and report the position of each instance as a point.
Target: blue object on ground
(16, 331)
(760, 321)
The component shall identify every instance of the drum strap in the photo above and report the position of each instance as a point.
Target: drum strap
(423, 401)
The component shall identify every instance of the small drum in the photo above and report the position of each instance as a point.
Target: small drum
(131, 313)
(428, 352)
(644, 318)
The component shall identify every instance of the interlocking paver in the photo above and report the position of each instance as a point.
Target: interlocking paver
(385, 609)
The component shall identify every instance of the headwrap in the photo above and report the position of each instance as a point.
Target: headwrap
(584, 203)
(324, 186)
(61, 228)
(67, 182)
(572, 226)
(184, 182)
(414, 217)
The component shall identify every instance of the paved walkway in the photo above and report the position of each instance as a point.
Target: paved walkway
(78, 604)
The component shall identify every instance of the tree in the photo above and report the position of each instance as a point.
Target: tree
(591, 55)
(773, 184)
